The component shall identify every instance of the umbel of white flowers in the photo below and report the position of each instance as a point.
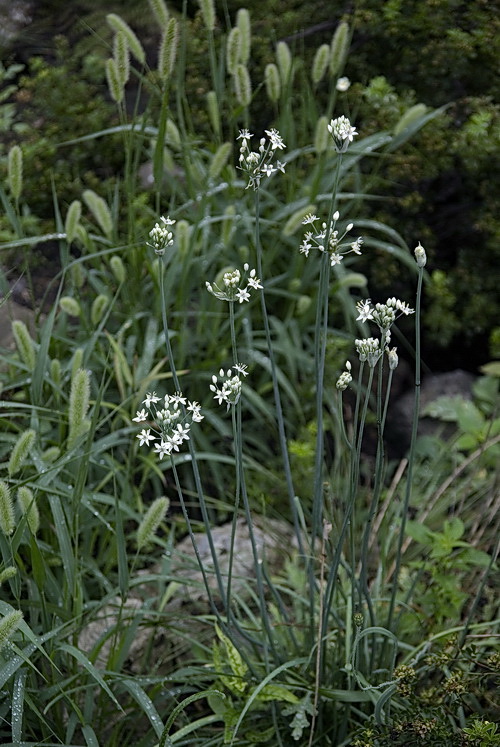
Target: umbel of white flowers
(342, 133)
(338, 246)
(231, 290)
(170, 423)
(229, 391)
(161, 236)
(259, 163)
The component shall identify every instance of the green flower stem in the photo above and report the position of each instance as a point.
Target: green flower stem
(411, 456)
(276, 391)
(194, 463)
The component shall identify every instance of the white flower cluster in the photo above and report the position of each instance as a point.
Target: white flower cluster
(342, 133)
(317, 238)
(368, 350)
(230, 389)
(257, 164)
(171, 422)
(161, 236)
(345, 378)
(384, 315)
(231, 290)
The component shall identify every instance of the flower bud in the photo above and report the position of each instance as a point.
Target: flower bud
(420, 255)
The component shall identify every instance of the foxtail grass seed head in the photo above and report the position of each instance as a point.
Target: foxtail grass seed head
(420, 255)
(118, 268)
(338, 48)
(161, 236)
(320, 63)
(15, 171)
(342, 133)
(24, 344)
(160, 12)
(343, 84)
(171, 422)
(242, 85)
(55, 372)
(213, 112)
(273, 83)
(79, 401)
(321, 135)
(228, 224)
(168, 50)
(220, 159)
(7, 519)
(232, 288)
(229, 391)
(121, 27)
(21, 449)
(183, 236)
(100, 210)
(243, 23)
(151, 521)
(284, 60)
(368, 350)
(76, 362)
(50, 455)
(329, 240)
(77, 275)
(70, 306)
(259, 163)
(99, 306)
(121, 56)
(27, 506)
(72, 220)
(233, 50)
(8, 626)
(7, 573)
(207, 8)
(303, 305)
(410, 116)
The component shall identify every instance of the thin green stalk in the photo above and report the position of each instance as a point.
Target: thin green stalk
(276, 390)
(411, 456)
(194, 463)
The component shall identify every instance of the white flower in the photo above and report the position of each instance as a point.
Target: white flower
(356, 245)
(175, 399)
(268, 169)
(393, 358)
(365, 311)
(275, 138)
(253, 281)
(335, 259)
(140, 416)
(145, 437)
(242, 294)
(164, 448)
(309, 218)
(151, 398)
(343, 84)
(241, 368)
(244, 135)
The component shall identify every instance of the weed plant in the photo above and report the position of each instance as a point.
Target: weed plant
(196, 547)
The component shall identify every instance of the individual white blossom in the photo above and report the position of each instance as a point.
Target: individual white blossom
(258, 163)
(171, 422)
(343, 84)
(319, 236)
(365, 311)
(229, 389)
(231, 290)
(161, 236)
(342, 133)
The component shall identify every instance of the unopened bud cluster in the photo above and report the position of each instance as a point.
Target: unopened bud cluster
(161, 236)
(327, 239)
(369, 350)
(259, 163)
(345, 378)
